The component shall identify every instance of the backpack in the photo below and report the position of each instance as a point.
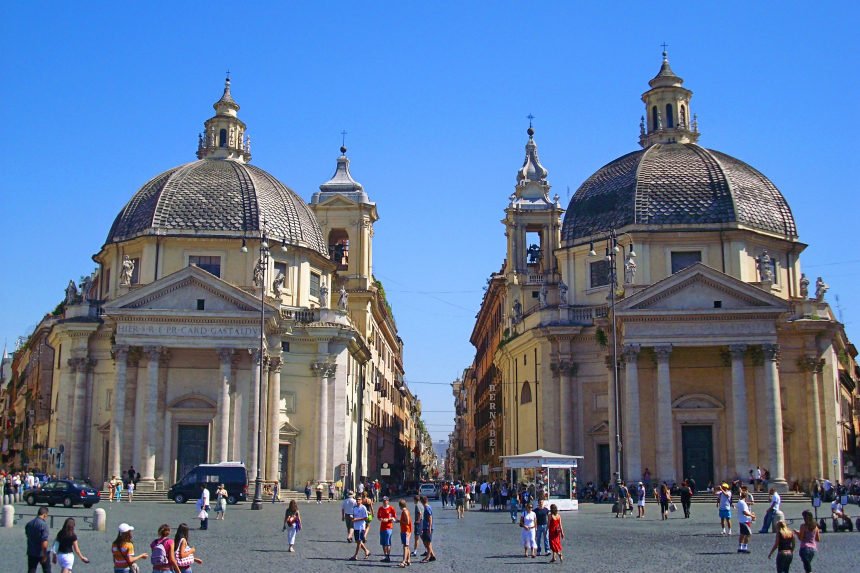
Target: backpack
(159, 553)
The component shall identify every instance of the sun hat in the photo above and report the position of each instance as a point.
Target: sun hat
(725, 486)
(124, 528)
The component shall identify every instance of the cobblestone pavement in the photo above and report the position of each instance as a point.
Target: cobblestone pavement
(596, 541)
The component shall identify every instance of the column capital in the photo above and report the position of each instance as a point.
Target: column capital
(663, 352)
(737, 351)
(120, 352)
(225, 354)
(77, 364)
(91, 364)
(631, 353)
(771, 352)
(807, 363)
(153, 352)
(275, 363)
(255, 355)
(564, 368)
(819, 367)
(324, 369)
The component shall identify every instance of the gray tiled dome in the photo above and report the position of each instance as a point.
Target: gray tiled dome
(676, 184)
(217, 198)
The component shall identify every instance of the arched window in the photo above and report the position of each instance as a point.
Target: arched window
(654, 121)
(526, 393)
(669, 119)
(222, 138)
(683, 116)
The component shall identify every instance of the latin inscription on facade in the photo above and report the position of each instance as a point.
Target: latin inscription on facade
(188, 330)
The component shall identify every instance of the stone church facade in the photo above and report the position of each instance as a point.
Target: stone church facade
(165, 360)
(727, 358)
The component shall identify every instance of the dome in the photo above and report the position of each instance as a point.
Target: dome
(676, 184)
(218, 198)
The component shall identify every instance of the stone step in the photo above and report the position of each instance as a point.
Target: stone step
(155, 496)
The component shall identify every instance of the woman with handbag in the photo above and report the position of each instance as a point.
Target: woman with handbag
(124, 559)
(66, 546)
(665, 500)
(184, 555)
(293, 522)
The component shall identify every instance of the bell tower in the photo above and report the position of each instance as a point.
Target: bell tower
(223, 136)
(667, 116)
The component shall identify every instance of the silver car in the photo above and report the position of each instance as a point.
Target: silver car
(429, 490)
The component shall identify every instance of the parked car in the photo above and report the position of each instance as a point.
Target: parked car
(66, 492)
(428, 489)
(231, 474)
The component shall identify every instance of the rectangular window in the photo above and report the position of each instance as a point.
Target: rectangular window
(599, 271)
(289, 399)
(201, 304)
(107, 283)
(315, 285)
(108, 399)
(683, 259)
(135, 273)
(211, 265)
(285, 346)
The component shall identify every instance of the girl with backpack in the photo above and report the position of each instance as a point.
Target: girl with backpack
(162, 555)
(184, 554)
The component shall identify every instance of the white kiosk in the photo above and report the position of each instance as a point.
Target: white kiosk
(554, 474)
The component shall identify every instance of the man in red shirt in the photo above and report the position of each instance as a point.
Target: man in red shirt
(387, 516)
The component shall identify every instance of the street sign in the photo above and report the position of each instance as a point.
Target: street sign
(835, 461)
(385, 472)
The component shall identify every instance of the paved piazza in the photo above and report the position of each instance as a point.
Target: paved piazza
(596, 541)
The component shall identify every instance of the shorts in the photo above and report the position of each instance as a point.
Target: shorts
(745, 529)
(385, 537)
(404, 539)
(725, 514)
(66, 560)
(459, 502)
(427, 536)
(359, 535)
(348, 522)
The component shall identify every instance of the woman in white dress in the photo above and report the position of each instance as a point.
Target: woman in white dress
(528, 527)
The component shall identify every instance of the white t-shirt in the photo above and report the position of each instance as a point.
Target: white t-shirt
(836, 506)
(742, 507)
(775, 500)
(205, 497)
(757, 473)
(725, 500)
(348, 505)
(359, 512)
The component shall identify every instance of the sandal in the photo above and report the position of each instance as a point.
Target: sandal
(401, 564)
(366, 557)
(425, 560)
(353, 558)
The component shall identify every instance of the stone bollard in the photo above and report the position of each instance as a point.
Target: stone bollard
(777, 517)
(99, 520)
(8, 518)
(6, 499)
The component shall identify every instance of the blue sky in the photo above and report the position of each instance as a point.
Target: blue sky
(434, 97)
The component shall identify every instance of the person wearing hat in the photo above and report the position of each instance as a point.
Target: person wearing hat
(123, 550)
(387, 516)
(346, 513)
(640, 493)
(724, 502)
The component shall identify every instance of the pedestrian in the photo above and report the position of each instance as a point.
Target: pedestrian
(686, 498)
(527, 530)
(293, 522)
(784, 544)
(220, 502)
(745, 518)
(65, 547)
(346, 513)
(515, 506)
(460, 499)
(775, 502)
(319, 492)
(163, 556)
(640, 494)
(556, 533)
(359, 524)
(622, 501)
(418, 522)
(111, 488)
(117, 488)
(405, 531)
(758, 478)
(330, 491)
(367, 502)
(427, 530)
(809, 536)
(184, 554)
(130, 490)
(691, 483)
(444, 495)
(724, 502)
(665, 500)
(122, 549)
(387, 515)
(37, 542)
(131, 473)
(276, 493)
(541, 520)
(203, 506)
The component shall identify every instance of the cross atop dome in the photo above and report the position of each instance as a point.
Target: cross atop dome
(224, 135)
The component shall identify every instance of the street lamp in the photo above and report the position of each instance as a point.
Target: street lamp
(260, 281)
(612, 251)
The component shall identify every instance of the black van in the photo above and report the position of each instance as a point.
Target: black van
(231, 474)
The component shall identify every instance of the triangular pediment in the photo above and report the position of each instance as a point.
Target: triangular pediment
(338, 201)
(181, 291)
(699, 288)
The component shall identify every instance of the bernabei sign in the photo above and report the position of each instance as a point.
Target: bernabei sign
(188, 330)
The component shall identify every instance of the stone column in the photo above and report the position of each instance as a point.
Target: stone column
(323, 371)
(166, 454)
(739, 409)
(632, 430)
(118, 419)
(223, 423)
(815, 368)
(613, 463)
(773, 416)
(254, 412)
(274, 423)
(88, 416)
(565, 410)
(75, 446)
(665, 426)
(153, 353)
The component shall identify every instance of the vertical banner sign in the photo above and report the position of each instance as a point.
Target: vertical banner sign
(492, 406)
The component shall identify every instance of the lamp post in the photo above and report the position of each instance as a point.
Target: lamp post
(260, 282)
(612, 251)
